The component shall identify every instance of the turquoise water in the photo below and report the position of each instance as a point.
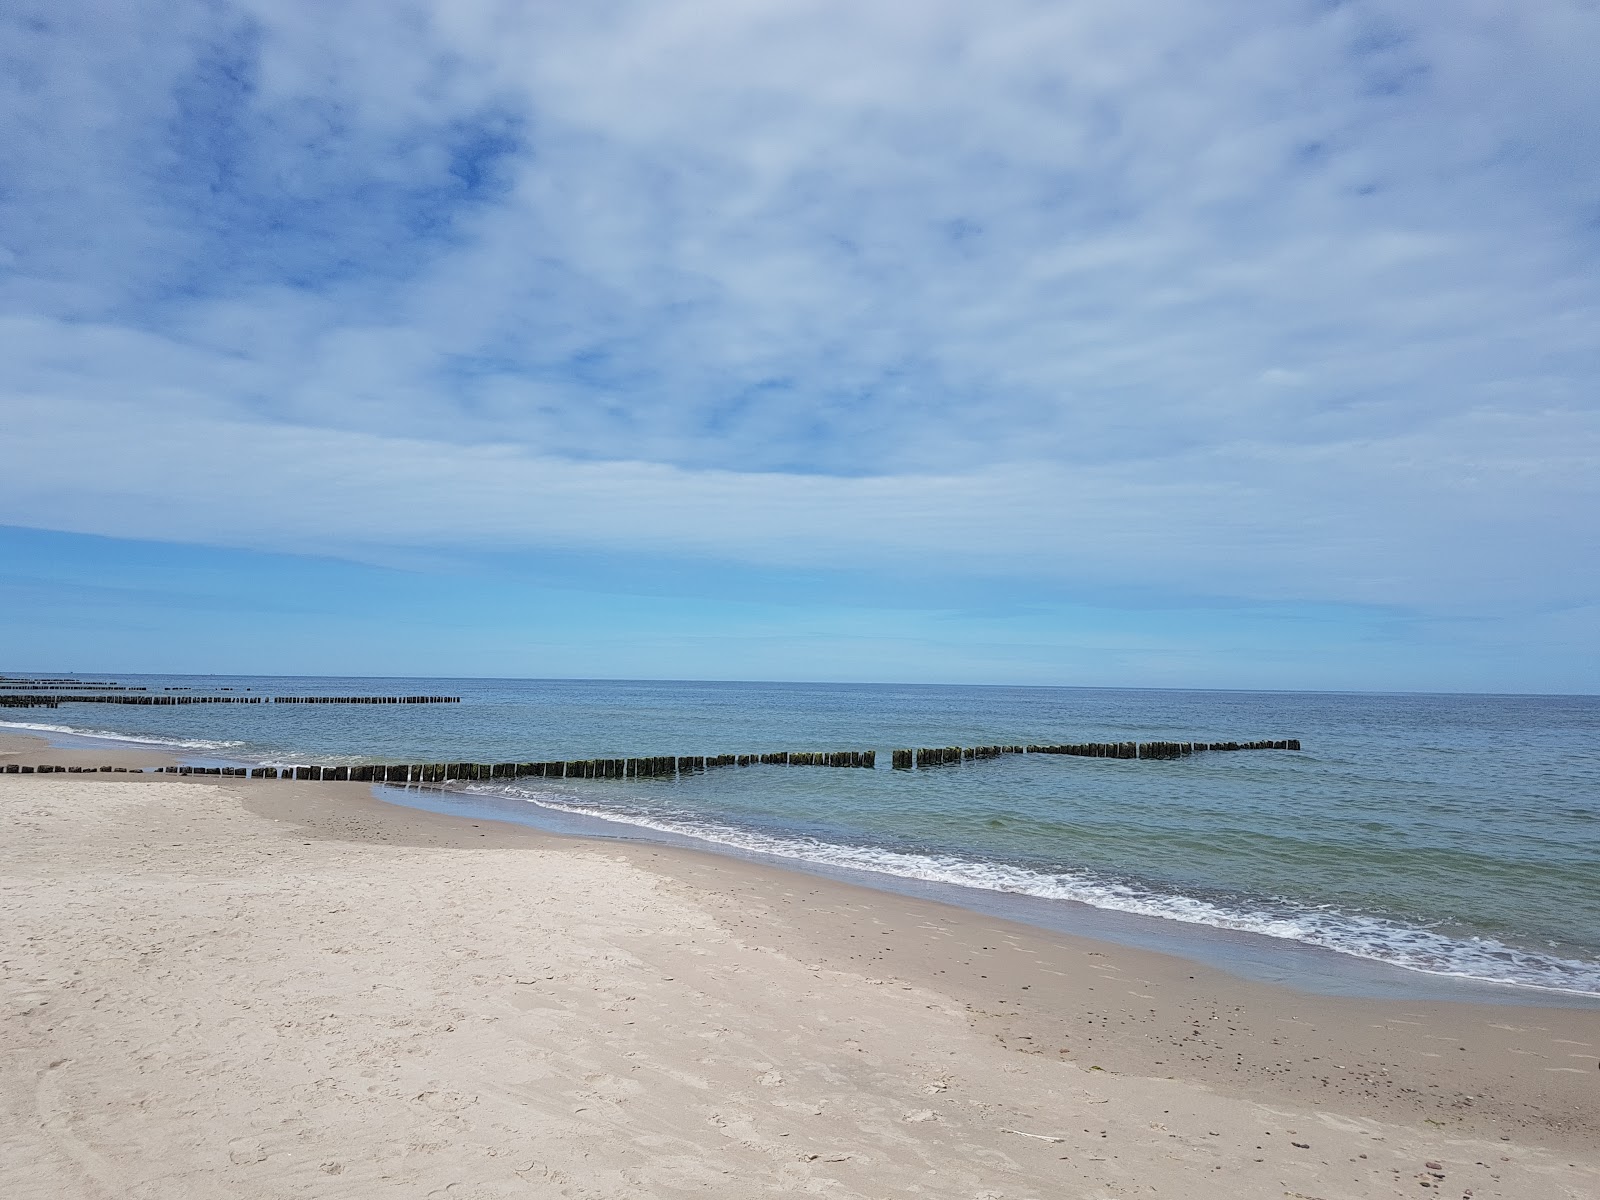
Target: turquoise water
(1457, 835)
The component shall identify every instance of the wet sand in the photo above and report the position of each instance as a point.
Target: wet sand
(262, 988)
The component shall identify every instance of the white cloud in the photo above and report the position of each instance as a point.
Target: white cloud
(1292, 303)
(1396, 523)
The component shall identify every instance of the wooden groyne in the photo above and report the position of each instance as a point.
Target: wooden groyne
(41, 700)
(904, 760)
(17, 769)
(366, 700)
(680, 766)
(655, 767)
(1162, 749)
(34, 685)
(940, 756)
(58, 681)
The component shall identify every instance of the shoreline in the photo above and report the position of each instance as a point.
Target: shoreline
(1050, 1005)
(1258, 1040)
(1245, 954)
(1242, 952)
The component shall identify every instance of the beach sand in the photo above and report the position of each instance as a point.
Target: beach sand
(263, 989)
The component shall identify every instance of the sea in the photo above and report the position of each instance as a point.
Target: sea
(1419, 845)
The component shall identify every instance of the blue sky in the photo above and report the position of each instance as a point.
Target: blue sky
(1156, 343)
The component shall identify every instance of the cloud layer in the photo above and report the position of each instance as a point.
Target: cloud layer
(1294, 303)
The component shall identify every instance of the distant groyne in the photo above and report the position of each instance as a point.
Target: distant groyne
(41, 700)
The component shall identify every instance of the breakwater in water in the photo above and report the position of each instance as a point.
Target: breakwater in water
(40, 700)
(678, 766)
(945, 755)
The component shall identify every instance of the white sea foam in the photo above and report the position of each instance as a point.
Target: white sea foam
(122, 738)
(1373, 938)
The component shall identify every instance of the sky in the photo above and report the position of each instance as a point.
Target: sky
(1148, 344)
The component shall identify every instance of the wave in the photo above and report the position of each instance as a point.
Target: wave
(1376, 939)
(126, 738)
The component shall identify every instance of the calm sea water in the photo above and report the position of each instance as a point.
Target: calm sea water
(1454, 835)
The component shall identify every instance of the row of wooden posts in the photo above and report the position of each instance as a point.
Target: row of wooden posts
(33, 685)
(669, 766)
(22, 700)
(17, 769)
(1159, 749)
(39, 700)
(945, 755)
(366, 700)
(665, 766)
(904, 760)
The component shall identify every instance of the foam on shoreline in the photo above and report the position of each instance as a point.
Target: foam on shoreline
(121, 739)
(1374, 939)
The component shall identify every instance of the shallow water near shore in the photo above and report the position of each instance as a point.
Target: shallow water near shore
(1432, 838)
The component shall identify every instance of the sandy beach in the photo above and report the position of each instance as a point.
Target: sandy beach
(269, 989)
